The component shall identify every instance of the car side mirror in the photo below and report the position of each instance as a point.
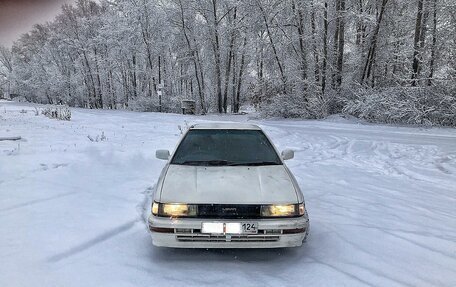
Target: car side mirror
(162, 154)
(287, 154)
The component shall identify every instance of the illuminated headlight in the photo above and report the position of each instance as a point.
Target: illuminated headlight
(155, 206)
(174, 209)
(282, 210)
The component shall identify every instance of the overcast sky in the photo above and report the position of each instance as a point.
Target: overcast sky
(18, 16)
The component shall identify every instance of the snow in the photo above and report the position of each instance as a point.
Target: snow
(381, 201)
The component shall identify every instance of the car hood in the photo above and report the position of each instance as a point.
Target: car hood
(228, 185)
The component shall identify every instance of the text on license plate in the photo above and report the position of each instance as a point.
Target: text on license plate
(229, 227)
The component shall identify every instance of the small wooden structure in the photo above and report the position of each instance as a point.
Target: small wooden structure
(15, 139)
(10, 138)
(188, 107)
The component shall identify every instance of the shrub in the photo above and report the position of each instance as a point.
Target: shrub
(57, 112)
(98, 138)
(404, 105)
(144, 104)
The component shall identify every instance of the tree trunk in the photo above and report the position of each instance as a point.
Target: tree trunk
(325, 48)
(195, 60)
(100, 93)
(335, 45)
(133, 79)
(233, 83)
(145, 27)
(314, 44)
(228, 64)
(216, 47)
(274, 49)
(241, 71)
(422, 39)
(416, 44)
(360, 26)
(341, 42)
(373, 45)
(434, 42)
(302, 51)
(90, 83)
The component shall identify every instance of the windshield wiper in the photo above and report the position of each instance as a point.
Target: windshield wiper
(207, 162)
(259, 163)
(226, 163)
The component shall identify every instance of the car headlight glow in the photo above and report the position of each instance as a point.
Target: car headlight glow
(155, 206)
(282, 210)
(174, 209)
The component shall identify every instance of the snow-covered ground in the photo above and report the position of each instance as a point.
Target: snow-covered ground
(381, 200)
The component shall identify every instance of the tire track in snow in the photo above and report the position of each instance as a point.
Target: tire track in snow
(43, 168)
(143, 213)
(380, 274)
(373, 254)
(92, 242)
(368, 252)
(346, 273)
(391, 155)
(428, 233)
(421, 245)
(32, 202)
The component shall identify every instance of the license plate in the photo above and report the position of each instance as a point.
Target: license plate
(229, 227)
(249, 227)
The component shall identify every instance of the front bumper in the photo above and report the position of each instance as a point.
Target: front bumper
(186, 233)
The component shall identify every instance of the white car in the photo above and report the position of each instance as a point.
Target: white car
(226, 186)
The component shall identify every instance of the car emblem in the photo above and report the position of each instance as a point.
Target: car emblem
(229, 208)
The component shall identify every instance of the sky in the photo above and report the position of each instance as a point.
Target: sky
(18, 16)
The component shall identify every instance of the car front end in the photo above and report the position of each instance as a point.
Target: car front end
(228, 226)
(226, 186)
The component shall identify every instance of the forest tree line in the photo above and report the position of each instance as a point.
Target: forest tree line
(383, 60)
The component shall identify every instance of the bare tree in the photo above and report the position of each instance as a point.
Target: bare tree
(325, 48)
(229, 57)
(416, 61)
(373, 45)
(6, 58)
(339, 41)
(269, 53)
(434, 43)
(266, 23)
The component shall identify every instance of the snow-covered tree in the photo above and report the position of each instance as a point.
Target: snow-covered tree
(286, 57)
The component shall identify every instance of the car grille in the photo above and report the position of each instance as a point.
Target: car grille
(223, 238)
(229, 211)
(194, 235)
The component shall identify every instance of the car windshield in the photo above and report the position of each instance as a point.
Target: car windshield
(222, 147)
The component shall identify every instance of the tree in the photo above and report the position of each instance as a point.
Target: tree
(416, 61)
(370, 59)
(6, 69)
(278, 55)
(434, 43)
(339, 41)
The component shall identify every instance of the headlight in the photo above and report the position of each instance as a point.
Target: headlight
(155, 206)
(302, 209)
(174, 209)
(282, 210)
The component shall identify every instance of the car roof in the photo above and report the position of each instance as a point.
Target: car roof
(225, 126)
